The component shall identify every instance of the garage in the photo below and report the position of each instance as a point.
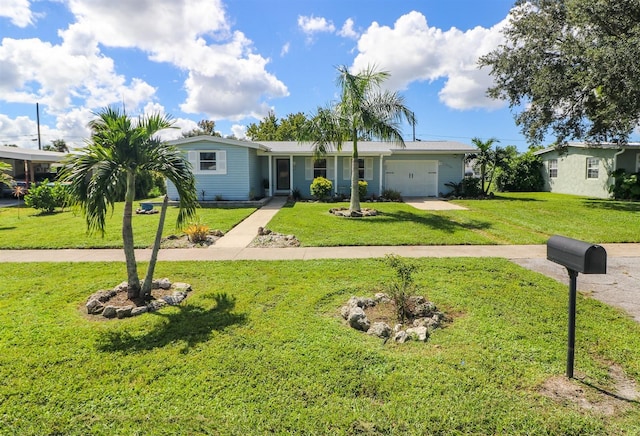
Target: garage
(412, 178)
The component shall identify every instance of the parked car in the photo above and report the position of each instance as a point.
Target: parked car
(9, 190)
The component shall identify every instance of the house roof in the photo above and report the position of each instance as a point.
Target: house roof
(216, 140)
(605, 146)
(30, 154)
(373, 147)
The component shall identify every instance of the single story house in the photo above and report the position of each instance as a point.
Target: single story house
(585, 169)
(30, 165)
(230, 169)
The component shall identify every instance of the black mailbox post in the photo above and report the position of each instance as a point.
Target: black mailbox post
(577, 257)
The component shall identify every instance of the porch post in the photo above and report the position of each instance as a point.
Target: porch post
(270, 176)
(335, 174)
(290, 174)
(381, 174)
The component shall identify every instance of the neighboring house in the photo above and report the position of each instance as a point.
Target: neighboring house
(30, 165)
(229, 169)
(583, 169)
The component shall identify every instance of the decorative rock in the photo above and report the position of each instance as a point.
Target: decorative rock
(380, 329)
(401, 337)
(358, 320)
(139, 310)
(122, 287)
(94, 307)
(162, 283)
(109, 312)
(156, 304)
(174, 299)
(124, 312)
(182, 287)
(381, 297)
(420, 333)
(217, 233)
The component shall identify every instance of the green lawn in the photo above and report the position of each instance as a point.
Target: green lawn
(27, 228)
(529, 218)
(259, 348)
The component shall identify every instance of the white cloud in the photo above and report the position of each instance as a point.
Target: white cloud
(239, 131)
(18, 11)
(348, 31)
(285, 49)
(413, 51)
(310, 26)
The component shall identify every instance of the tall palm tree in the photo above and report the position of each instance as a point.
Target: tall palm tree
(119, 149)
(364, 110)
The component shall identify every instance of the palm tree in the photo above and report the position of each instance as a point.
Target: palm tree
(364, 110)
(486, 159)
(119, 149)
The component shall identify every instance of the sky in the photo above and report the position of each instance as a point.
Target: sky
(232, 61)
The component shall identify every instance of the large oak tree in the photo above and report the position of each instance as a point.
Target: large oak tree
(571, 68)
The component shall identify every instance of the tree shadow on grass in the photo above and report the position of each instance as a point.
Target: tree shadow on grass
(621, 206)
(436, 222)
(191, 325)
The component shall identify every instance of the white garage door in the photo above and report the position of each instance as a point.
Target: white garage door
(412, 178)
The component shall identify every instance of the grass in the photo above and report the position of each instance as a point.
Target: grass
(259, 348)
(529, 218)
(25, 228)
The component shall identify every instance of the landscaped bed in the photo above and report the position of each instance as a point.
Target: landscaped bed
(261, 347)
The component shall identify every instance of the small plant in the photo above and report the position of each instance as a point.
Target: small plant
(321, 188)
(197, 232)
(362, 189)
(219, 197)
(391, 195)
(155, 192)
(202, 193)
(402, 287)
(296, 194)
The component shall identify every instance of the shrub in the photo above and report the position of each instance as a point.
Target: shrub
(46, 196)
(321, 188)
(197, 232)
(296, 194)
(362, 189)
(522, 174)
(402, 287)
(471, 187)
(391, 195)
(625, 186)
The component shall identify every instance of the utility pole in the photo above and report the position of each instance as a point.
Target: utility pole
(38, 121)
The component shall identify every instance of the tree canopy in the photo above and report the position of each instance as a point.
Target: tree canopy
(270, 128)
(205, 127)
(570, 68)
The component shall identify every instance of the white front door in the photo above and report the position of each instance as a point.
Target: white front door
(412, 178)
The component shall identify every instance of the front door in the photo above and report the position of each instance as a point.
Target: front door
(283, 177)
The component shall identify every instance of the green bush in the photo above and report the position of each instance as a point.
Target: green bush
(403, 286)
(522, 174)
(321, 188)
(362, 189)
(46, 196)
(391, 195)
(625, 186)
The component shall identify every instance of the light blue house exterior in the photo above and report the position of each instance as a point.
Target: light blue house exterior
(228, 169)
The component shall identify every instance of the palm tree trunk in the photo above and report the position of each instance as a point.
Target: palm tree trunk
(354, 204)
(127, 239)
(146, 284)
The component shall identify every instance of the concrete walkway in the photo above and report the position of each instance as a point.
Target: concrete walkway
(430, 203)
(241, 235)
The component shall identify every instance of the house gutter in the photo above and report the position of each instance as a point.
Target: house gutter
(615, 159)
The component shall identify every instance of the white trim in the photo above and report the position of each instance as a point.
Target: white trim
(381, 174)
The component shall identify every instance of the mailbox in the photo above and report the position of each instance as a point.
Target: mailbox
(577, 255)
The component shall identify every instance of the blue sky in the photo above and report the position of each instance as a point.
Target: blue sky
(234, 60)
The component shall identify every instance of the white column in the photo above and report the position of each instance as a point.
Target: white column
(290, 174)
(270, 176)
(381, 174)
(335, 174)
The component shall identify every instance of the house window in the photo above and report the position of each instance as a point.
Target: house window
(553, 168)
(208, 162)
(592, 167)
(365, 168)
(320, 168)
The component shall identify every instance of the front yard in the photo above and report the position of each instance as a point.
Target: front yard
(260, 348)
(522, 218)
